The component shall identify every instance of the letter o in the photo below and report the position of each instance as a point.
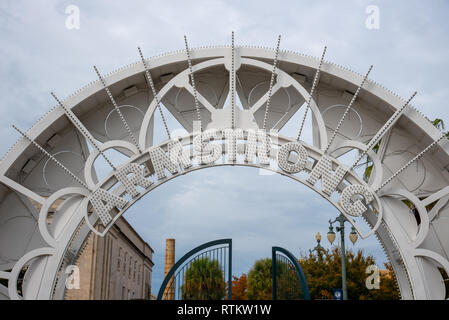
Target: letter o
(284, 153)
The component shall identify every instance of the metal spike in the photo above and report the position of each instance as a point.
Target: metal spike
(81, 128)
(117, 109)
(417, 157)
(195, 96)
(70, 173)
(233, 82)
(267, 107)
(153, 89)
(347, 109)
(314, 84)
(383, 130)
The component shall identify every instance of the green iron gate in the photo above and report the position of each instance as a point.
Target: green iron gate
(201, 274)
(288, 280)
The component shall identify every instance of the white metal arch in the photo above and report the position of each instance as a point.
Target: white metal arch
(415, 250)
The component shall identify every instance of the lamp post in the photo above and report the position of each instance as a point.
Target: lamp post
(318, 247)
(331, 237)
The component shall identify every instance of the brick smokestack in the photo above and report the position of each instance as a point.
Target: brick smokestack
(169, 293)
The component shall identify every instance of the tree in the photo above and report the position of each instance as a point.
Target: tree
(204, 280)
(239, 287)
(323, 274)
(259, 280)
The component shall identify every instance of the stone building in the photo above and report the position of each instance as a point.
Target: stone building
(115, 267)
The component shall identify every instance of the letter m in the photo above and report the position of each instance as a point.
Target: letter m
(329, 179)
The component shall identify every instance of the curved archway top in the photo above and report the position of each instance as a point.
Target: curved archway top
(334, 70)
(415, 244)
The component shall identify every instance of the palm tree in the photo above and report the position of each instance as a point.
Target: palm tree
(204, 280)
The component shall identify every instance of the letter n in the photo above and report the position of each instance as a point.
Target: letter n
(161, 161)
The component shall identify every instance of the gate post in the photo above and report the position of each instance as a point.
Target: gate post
(273, 273)
(295, 264)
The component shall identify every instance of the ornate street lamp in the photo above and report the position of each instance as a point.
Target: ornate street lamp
(331, 237)
(318, 247)
(353, 236)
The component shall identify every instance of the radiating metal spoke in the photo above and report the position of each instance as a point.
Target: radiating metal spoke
(417, 157)
(192, 79)
(81, 128)
(233, 82)
(117, 109)
(312, 91)
(273, 72)
(383, 130)
(347, 110)
(70, 173)
(153, 89)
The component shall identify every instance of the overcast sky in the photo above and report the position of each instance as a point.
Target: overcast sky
(39, 54)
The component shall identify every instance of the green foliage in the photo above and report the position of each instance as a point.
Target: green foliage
(259, 280)
(323, 274)
(369, 165)
(204, 280)
(439, 123)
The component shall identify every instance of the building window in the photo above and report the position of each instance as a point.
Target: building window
(138, 274)
(124, 263)
(119, 257)
(123, 293)
(129, 269)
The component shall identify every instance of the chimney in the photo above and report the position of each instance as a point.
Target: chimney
(169, 293)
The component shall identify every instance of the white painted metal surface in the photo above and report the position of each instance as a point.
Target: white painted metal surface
(405, 167)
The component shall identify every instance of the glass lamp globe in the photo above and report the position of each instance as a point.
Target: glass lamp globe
(318, 237)
(353, 236)
(331, 236)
